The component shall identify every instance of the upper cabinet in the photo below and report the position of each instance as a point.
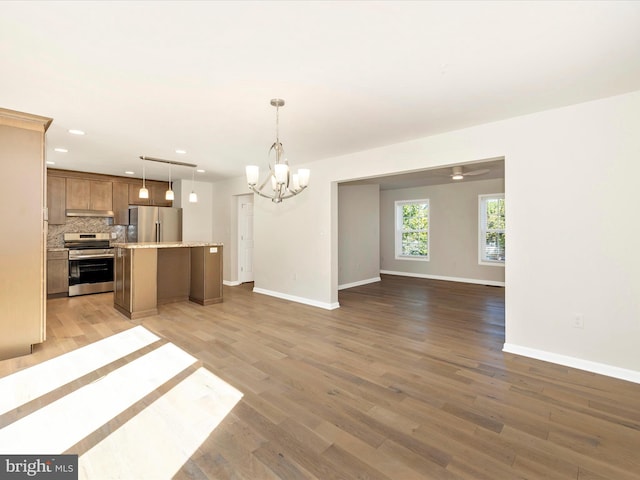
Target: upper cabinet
(78, 192)
(71, 190)
(101, 197)
(157, 192)
(56, 200)
(89, 194)
(120, 203)
(134, 199)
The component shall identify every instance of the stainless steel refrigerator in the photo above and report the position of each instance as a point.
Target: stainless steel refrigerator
(154, 224)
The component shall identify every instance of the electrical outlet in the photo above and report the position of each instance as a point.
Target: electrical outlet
(578, 320)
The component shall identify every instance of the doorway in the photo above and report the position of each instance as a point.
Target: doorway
(245, 238)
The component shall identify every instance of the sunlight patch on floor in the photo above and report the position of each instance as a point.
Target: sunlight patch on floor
(160, 439)
(23, 386)
(155, 443)
(63, 423)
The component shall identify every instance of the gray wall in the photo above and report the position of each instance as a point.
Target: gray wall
(358, 234)
(453, 232)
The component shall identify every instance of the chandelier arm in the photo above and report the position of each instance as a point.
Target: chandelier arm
(258, 192)
(273, 197)
(291, 194)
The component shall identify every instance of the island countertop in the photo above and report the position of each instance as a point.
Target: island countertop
(165, 245)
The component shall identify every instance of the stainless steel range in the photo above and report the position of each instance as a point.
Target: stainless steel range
(90, 263)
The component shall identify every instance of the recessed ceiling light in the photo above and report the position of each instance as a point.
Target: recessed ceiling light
(61, 150)
(129, 172)
(74, 131)
(181, 151)
(49, 162)
(200, 170)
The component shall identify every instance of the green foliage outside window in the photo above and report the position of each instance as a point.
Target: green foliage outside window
(494, 236)
(415, 229)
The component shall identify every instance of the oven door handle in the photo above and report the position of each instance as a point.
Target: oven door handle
(84, 257)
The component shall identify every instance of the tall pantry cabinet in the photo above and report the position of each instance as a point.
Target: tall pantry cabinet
(24, 230)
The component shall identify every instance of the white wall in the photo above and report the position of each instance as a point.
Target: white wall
(197, 218)
(358, 234)
(453, 232)
(572, 235)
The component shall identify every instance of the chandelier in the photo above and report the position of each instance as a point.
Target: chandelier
(283, 184)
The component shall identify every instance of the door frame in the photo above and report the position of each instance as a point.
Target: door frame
(241, 200)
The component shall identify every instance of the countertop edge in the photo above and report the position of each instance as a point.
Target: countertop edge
(132, 246)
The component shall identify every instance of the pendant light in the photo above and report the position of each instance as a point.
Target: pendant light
(143, 192)
(193, 196)
(169, 194)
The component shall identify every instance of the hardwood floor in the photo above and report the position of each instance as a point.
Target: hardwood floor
(406, 380)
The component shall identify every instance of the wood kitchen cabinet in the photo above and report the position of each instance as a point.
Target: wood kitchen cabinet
(206, 275)
(122, 278)
(134, 199)
(120, 203)
(157, 192)
(101, 197)
(57, 273)
(135, 282)
(23, 246)
(147, 276)
(88, 194)
(56, 200)
(71, 190)
(78, 192)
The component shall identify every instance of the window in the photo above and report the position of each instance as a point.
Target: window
(492, 223)
(412, 230)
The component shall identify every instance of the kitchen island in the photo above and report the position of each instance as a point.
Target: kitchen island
(153, 273)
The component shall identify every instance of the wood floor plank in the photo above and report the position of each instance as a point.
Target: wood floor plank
(390, 465)
(406, 380)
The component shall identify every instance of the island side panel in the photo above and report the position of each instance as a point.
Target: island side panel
(206, 275)
(174, 269)
(144, 286)
(135, 282)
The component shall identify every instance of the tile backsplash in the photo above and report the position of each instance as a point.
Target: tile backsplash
(84, 225)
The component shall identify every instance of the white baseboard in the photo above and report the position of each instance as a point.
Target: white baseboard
(580, 364)
(493, 283)
(358, 283)
(293, 298)
(230, 283)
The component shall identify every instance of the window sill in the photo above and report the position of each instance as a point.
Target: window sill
(415, 259)
(491, 264)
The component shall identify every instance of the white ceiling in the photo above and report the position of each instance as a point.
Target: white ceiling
(484, 170)
(146, 78)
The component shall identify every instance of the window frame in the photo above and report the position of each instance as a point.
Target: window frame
(483, 230)
(398, 204)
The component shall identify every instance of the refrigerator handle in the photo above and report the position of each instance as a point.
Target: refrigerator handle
(157, 231)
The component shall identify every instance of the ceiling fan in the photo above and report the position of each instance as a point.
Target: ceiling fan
(457, 173)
